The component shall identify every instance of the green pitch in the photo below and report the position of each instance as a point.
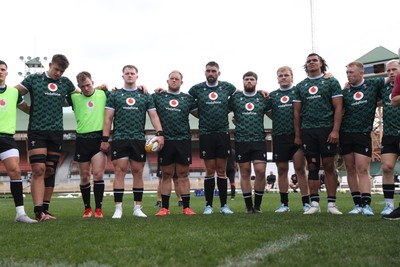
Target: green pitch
(267, 239)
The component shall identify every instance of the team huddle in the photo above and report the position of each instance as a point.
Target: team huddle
(307, 121)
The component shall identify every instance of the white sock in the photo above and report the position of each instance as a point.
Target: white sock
(314, 204)
(118, 206)
(331, 204)
(20, 210)
(390, 201)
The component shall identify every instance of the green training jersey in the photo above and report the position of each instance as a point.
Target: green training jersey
(130, 107)
(212, 103)
(47, 100)
(89, 113)
(173, 111)
(280, 104)
(9, 99)
(359, 104)
(391, 115)
(315, 95)
(249, 112)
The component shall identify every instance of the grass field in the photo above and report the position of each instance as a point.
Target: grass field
(267, 239)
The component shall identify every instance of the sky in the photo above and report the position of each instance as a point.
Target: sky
(158, 36)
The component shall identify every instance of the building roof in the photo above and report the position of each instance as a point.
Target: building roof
(378, 54)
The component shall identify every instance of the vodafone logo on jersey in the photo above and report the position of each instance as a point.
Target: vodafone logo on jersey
(249, 106)
(130, 101)
(358, 95)
(52, 87)
(213, 96)
(285, 99)
(90, 104)
(313, 90)
(173, 103)
(3, 103)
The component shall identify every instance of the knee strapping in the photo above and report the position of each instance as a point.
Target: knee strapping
(314, 164)
(51, 168)
(38, 158)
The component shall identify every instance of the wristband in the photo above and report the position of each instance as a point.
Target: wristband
(160, 133)
(104, 139)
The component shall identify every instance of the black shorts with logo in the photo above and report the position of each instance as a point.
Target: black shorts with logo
(359, 143)
(52, 140)
(249, 151)
(390, 144)
(215, 145)
(283, 148)
(176, 151)
(315, 142)
(132, 149)
(86, 148)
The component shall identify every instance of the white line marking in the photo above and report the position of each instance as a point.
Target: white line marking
(252, 257)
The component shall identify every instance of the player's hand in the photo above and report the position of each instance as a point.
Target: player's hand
(264, 93)
(333, 137)
(143, 88)
(328, 75)
(105, 147)
(103, 87)
(160, 140)
(159, 90)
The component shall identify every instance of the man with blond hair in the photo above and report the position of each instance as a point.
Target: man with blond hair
(359, 103)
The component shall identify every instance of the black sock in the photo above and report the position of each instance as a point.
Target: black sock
(209, 186)
(284, 198)
(314, 197)
(98, 190)
(38, 209)
(137, 194)
(258, 195)
(186, 200)
(331, 199)
(85, 191)
(118, 194)
(248, 200)
(366, 199)
(356, 198)
(17, 191)
(222, 184)
(305, 199)
(165, 201)
(388, 191)
(233, 191)
(46, 205)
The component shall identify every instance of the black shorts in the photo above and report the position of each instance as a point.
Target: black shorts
(359, 143)
(175, 151)
(52, 140)
(315, 142)
(7, 143)
(215, 145)
(86, 148)
(390, 144)
(283, 148)
(132, 149)
(249, 151)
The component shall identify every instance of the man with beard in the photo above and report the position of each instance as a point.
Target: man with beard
(212, 98)
(249, 108)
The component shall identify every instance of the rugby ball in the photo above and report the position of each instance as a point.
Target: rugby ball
(151, 146)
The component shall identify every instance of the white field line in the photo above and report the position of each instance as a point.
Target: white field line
(257, 255)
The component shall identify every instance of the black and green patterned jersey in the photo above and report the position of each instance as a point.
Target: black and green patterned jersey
(280, 104)
(391, 115)
(130, 107)
(173, 111)
(315, 95)
(10, 97)
(249, 112)
(359, 104)
(212, 103)
(47, 100)
(89, 113)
